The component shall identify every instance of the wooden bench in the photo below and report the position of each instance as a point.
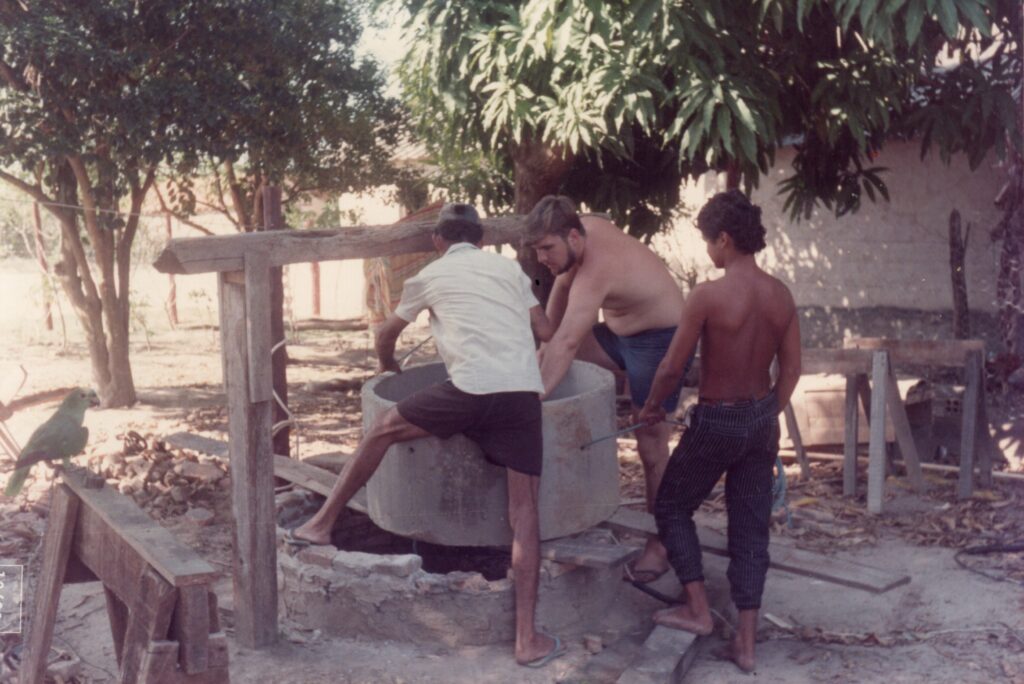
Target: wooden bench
(163, 615)
(976, 445)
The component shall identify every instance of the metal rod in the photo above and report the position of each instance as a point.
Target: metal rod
(624, 431)
(401, 361)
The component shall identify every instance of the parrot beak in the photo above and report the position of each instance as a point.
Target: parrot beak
(94, 399)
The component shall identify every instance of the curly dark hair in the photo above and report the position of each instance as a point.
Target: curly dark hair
(734, 214)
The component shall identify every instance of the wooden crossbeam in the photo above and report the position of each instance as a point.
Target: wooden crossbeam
(944, 353)
(225, 253)
(117, 540)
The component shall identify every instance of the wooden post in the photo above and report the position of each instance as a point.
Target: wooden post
(191, 627)
(986, 445)
(864, 392)
(852, 426)
(252, 476)
(798, 443)
(793, 428)
(118, 614)
(314, 269)
(149, 619)
(876, 448)
(56, 548)
(273, 220)
(901, 426)
(969, 430)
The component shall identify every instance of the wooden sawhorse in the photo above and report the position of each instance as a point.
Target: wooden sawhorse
(163, 615)
(875, 358)
(976, 445)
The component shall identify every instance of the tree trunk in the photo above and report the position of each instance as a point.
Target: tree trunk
(314, 269)
(172, 293)
(958, 274)
(41, 257)
(540, 170)
(270, 203)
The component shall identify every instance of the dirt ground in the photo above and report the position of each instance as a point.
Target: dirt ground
(949, 624)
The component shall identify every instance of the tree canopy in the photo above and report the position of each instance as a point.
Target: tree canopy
(640, 93)
(97, 98)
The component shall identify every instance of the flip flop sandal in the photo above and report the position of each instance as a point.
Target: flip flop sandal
(558, 651)
(295, 542)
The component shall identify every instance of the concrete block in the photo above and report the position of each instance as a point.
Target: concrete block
(320, 556)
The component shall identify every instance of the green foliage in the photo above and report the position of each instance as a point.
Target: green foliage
(713, 85)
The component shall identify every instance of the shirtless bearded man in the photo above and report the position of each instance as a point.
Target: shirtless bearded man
(743, 320)
(600, 268)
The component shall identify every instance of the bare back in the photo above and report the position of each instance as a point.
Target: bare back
(641, 293)
(748, 315)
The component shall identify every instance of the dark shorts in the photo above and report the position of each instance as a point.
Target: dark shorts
(639, 355)
(506, 425)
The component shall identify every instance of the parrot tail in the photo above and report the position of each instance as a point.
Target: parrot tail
(16, 481)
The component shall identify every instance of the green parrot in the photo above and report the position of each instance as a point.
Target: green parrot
(61, 436)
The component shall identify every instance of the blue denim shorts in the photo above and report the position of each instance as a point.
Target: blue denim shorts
(639, 355)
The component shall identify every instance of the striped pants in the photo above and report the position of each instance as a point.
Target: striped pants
(739, 439)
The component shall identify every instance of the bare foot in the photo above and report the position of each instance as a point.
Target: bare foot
(540, 646)
(736, 654)
(683, 618)
(651, 565)
(312, 534)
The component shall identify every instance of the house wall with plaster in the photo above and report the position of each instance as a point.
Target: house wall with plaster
(887, 254)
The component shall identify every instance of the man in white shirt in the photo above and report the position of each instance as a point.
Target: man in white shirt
(481, 314)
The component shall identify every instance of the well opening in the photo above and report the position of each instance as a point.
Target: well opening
(446, 492)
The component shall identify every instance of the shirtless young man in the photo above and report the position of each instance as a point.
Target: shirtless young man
(481, 315)
(600, 268)
(743, 320)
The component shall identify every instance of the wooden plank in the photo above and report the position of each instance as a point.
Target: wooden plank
(197, 443)
(783, 556)
(219, 654)
(876, 445)
(969, 432)
(850, 438)
(257, 311)
(60, 528)
(211, 597)
(159, 663)
(111, 529)
(191, 628)
(117, 611)
(252, 480)
(314, 479)
(930, 467)
(944, 353)
(226, 252)
(333, 461)
(794, 434)
(837, 361)
(579, 550)
(149, 619)
(901, 425)
(666, 656)
(77, 572)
